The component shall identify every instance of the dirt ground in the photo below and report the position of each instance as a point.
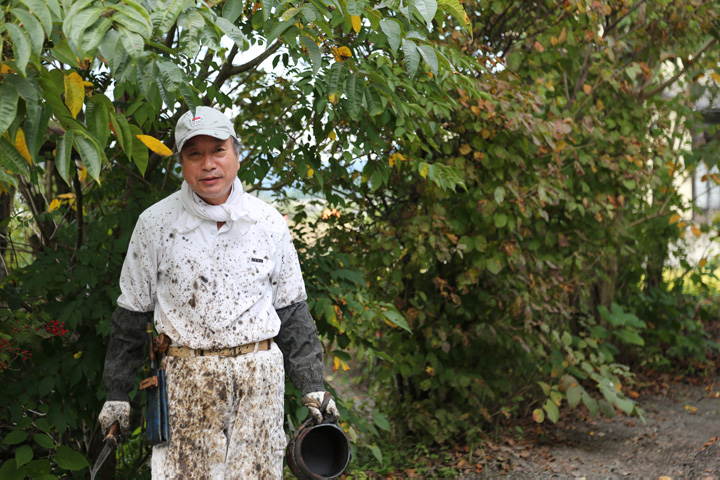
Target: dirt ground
(678, 440)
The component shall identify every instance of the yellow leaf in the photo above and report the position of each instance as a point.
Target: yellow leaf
(674, 218)
(341, 53)
(333, 98)
(356, 23)
(539, 47)
(600, 105)
(465, 149)
(424, 170)
(54, 205)
(702, 262)
(155, 145)
(430, 371)
(74, 93)
(476, 110)
(311, 172)
(691, 409)
(715, 76)
(696, 231)
(336, 364)
(682, 225)
(587, 89)
(78, 355)
(6, 69)
(66, 196)
(332, 135)
(22, 146)
(82, 174)
(392, 160)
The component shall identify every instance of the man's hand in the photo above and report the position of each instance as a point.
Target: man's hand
(321, 407)
(112, 412)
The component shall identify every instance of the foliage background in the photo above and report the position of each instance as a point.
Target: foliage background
(484, 196)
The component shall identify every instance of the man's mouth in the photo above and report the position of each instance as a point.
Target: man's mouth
(209, 180)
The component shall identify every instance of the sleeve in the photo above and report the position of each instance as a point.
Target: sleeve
(299, 342)
(287, 281)
(125, 353)
(127, 347)
(138, 279)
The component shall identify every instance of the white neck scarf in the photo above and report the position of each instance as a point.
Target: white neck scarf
(230, 211)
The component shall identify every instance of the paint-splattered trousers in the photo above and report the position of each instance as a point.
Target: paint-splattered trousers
(226, 418)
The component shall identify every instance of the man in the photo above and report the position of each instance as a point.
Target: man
(217, 269)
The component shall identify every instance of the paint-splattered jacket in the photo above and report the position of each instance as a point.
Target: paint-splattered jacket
(212, 288)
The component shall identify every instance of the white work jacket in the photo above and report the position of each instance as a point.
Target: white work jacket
(211, 288)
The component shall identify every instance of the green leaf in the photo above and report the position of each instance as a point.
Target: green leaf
(7, 179)
(590, 403)
(381, 421)
(90, 153)
(36, 35)
(76, 25)
(21, 47)
(456, 10)
(499, 195)
(553, 414)
(47, 384)
(134, 43)
(625, 404)
(427, 9)
(11, 159)
(278, 29)
(355, 88)
(392, 30)
(123, 130)
(140, 151)
(574, 395)
(394, 317)
(233, 32)
(165, 15)
(40, 10)
(355, 7)
(335, 74)
(92, 37)
(314, 52)
(23, 455)
(412, 57)
(629, 336)
(10, 471)
(376, 452)
(97, 120)
(15, 437)
(63, 157)
(8, 105)
(372, 101)
(232, 9)
(500, 219)
(494, 266)
(428, 54)
(545, 388)
(69, 459)
(43, 440)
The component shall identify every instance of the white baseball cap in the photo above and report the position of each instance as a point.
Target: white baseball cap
(206, 121)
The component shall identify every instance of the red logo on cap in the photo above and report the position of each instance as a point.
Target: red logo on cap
(196, 121)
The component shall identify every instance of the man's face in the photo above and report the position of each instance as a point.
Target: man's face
(210, 167)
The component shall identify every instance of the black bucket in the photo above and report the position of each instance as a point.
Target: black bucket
(318, 451)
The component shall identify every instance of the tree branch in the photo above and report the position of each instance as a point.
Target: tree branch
(673, 79)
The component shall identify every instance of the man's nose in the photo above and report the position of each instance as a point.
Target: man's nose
(208, 162)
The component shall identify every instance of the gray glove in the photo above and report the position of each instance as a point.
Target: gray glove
(114, 411)
(321, 406)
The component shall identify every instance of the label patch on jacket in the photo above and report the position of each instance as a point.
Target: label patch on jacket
(256, 260)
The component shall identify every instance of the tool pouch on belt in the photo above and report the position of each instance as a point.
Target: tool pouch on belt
(156, 414)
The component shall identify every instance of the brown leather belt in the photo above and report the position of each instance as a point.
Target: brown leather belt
(219, 352)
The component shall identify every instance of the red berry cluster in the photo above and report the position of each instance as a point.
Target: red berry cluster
(55, 327)
(7, 347)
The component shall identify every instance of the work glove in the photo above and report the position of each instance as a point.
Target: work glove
(321, 406)
(114, 411)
